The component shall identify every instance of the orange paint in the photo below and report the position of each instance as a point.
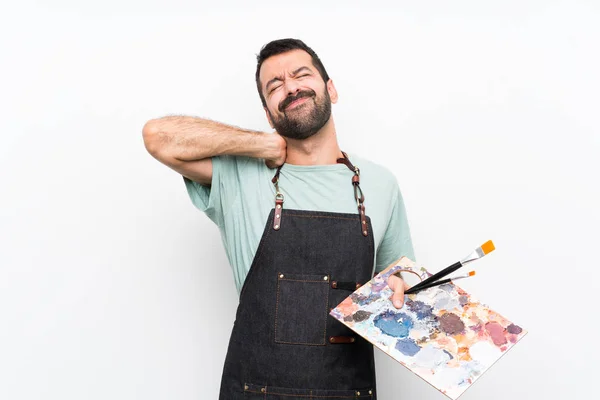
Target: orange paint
(463, 354)
(347, 307)
(488, 247)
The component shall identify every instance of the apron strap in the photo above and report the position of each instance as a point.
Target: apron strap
(358, 195)
(278, 200)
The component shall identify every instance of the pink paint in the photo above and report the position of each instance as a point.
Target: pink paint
(496, 332)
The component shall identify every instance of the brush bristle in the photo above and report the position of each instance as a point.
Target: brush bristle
(471, 273)
(487, 247)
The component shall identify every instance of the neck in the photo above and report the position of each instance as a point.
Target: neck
(320, 149)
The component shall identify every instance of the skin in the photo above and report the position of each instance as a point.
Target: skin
(186, 144)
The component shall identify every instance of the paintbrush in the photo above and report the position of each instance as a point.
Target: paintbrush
(437, 283)
(479, 252)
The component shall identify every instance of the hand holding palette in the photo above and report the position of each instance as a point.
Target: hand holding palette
(442, 333)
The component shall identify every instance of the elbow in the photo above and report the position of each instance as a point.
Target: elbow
(150, 135)
(158, 142)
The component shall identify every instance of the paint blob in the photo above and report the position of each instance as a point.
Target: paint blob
(407, 346)
(361, 315)
(431, 357)
(394, 324)
(363, 300)
(443, 300)
(514, 329)
(484, 353)
(451, 324)
(421, 309)
(449, 376)
(496, 332)
(347, 306)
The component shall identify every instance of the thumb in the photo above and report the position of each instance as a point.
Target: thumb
(398, 285)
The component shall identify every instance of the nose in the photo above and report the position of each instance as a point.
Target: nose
(292, 87)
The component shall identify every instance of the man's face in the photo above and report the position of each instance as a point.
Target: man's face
(298, 101)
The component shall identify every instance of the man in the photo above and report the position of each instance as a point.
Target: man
(297, 229)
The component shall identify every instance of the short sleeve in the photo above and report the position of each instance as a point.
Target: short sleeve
(222, 192)
(397, 241)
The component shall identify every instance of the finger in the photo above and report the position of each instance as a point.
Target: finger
(272, 164)
(398, 286)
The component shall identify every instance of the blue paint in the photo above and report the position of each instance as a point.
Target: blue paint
(394, 324)
(450, 355)
(421, 309)
(408, 347)
(363, 300)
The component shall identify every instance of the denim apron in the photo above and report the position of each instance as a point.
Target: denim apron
(284, 345)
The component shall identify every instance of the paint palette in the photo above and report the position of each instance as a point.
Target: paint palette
(442, 334)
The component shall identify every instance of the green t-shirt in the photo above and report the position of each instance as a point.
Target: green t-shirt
(242, 195)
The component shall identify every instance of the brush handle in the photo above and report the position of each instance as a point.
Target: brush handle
(416, 289)
(435, 277)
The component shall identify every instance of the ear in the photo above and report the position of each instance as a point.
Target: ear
(333, 94)
(269, 117)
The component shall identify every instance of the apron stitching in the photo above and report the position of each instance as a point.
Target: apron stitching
(320, 216)
(283, 342)
(306, 395)
(326, 315)
(276, 314)
(276, 308)
(304, 344)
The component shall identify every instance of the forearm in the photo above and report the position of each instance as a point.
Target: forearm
(189, 139)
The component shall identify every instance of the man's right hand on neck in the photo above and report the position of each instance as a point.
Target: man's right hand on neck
(278, 149)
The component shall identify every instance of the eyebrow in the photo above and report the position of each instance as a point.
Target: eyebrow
(278, 78)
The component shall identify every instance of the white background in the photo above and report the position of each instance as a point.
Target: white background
(113, 286)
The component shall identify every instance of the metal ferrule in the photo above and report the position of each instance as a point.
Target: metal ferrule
(476, 255)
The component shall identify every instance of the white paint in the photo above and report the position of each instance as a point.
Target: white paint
(431, 357)
(448, 378)
(485, 353)
(419, 330)
(442, 300)
(487, 112)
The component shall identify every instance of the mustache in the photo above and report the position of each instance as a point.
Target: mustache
(291, 99)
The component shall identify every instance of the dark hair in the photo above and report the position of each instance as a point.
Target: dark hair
(282, 46)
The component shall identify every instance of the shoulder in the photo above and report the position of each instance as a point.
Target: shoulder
(235, 174)
(373, 172)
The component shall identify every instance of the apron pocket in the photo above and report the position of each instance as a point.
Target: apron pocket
(301, 309)
(258, 392)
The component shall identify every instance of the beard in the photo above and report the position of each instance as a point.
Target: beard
(305, 119)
